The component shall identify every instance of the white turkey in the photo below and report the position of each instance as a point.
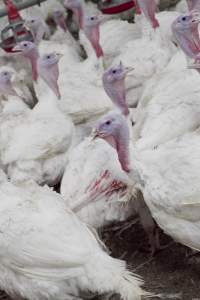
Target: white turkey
(170, 97)
(42, 136)
(168, 177)
(48, 253)
(77, 78)
(148, 55)
(185, 30)
(98, 184)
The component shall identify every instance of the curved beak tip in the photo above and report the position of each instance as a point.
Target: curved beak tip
(129, 69)
(59, 55)
(17, 48)
(102, 17)
(94, 134)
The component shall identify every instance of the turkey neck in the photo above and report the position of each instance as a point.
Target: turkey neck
(116, 92)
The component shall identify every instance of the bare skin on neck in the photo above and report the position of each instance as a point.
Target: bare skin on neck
(148, 7)
(114, 85)
(185, 30)
(29, 51)
(46, 66)
(114, 129)
(91, 29)
(77, 9)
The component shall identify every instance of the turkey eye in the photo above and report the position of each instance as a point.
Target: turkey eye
(5, 73)
(108, 123)
(183, 18)
(32, 21)
(48, 56)
(25, 45)
(114, 71)
(92, 18)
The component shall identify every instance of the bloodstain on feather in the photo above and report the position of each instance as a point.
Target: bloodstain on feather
(102, 187)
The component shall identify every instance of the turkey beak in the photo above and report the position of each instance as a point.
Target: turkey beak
(128, 70)
(26, 24)
(17, 48)
(103, 18)
(94, 134)
(59, 55)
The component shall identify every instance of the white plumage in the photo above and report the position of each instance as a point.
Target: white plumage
(98, 186)
(114, 34)
(168, 176)
(41, 138)
(47, 252)
(169, 106)
(159, 50)
(169, 179)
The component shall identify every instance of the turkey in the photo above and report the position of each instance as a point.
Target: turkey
(40, 30)
(114, 33)
(42, 136)
(98, 185)
(168, 177)
(59, 257)
(77, 78)
(148, 55)
(91, 163)
(170, 97)
(6, 86)
(12, 86)
(114, 85)
(185, 30)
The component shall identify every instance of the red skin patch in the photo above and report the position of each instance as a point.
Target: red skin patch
(94, 36)
(98, 187)
(34, 69)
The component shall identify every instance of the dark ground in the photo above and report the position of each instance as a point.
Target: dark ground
(170, 273)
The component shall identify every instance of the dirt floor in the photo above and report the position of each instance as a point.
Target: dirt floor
(170, 274)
